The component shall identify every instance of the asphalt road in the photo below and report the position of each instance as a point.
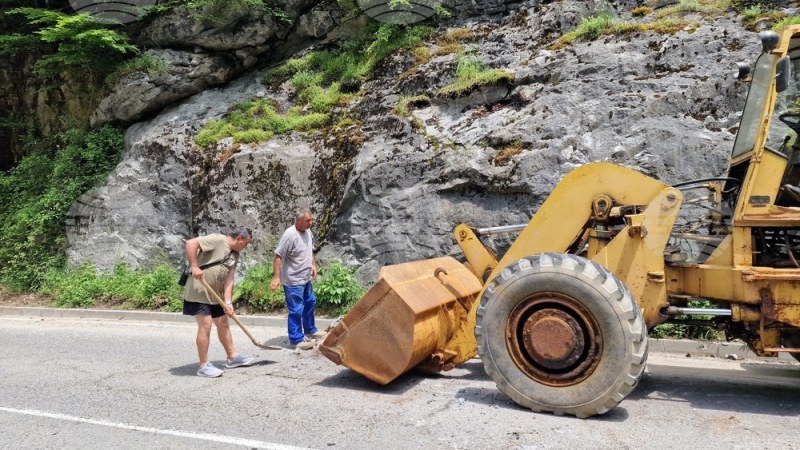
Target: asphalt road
(84, 383)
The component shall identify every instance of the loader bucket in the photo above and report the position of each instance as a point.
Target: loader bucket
(405, 320)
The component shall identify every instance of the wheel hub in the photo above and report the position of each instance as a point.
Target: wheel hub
(554, 339)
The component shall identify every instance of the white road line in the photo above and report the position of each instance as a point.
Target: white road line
(186, 434)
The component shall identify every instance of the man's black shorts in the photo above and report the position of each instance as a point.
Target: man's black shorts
(201, 309)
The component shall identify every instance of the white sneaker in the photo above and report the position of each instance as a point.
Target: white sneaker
(209, 371)
(240, 360)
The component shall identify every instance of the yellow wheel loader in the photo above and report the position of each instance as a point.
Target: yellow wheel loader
(560, 320)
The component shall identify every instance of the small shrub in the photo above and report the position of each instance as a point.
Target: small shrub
(217, 11)
(752, 12)
(337, 287)
(255, 292)
(74, 288)
(83, 286)
(158, 287)
(147, 63)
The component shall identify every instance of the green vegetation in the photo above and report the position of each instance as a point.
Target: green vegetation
(36, 195)
(752, 12)
(704, 7)
(254, 290)
(322, 80)
(682, 331)
(146, 62)
(80, 43)
(336, 289)
(413, 101)
(792, 20)
(471, 73)
(504, 154)
(755, 14)
(142, 288)
(665, 20)
(257, 121)
(216, 11)
(592, 28)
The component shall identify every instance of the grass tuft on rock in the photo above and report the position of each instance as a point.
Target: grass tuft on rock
(471, 74)
(322, 81)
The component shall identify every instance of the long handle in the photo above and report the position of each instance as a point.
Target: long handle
(236, 319)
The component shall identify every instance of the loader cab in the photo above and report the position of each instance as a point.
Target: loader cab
(766, 152)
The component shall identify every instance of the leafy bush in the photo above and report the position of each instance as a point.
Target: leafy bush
(337, 287)
(80, 42)
(36, 195)
(215, 11)
(254, 290)
(83, 286)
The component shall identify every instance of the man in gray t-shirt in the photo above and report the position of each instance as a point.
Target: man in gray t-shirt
(294, 267)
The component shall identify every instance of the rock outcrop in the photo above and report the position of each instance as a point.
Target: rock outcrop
(664, 104)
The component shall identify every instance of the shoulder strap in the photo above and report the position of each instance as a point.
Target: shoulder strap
(215, 263)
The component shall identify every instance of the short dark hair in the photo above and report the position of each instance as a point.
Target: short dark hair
(241, 232)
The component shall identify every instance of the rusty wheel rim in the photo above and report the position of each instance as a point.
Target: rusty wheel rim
(554, 339)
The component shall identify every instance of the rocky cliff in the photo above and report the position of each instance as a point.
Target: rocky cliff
(390, 183)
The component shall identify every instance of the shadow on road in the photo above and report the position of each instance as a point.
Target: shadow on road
(704, 392)
(191, 369)
(494, 398)
(349, 379)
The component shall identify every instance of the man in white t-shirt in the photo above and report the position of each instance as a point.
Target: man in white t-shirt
(294, 268)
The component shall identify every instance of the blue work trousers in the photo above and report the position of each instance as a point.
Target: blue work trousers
(300, 302)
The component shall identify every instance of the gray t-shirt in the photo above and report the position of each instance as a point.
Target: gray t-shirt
(295, 250)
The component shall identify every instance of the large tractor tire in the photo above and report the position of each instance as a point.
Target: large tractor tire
(559, 333)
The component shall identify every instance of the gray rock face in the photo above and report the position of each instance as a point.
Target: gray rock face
(231, 30)
(221, 49)
(140, 93)
(662, 104)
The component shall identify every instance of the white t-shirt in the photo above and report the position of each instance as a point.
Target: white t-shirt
(296, 252)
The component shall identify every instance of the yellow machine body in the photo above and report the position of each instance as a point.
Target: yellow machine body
(425, 314)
